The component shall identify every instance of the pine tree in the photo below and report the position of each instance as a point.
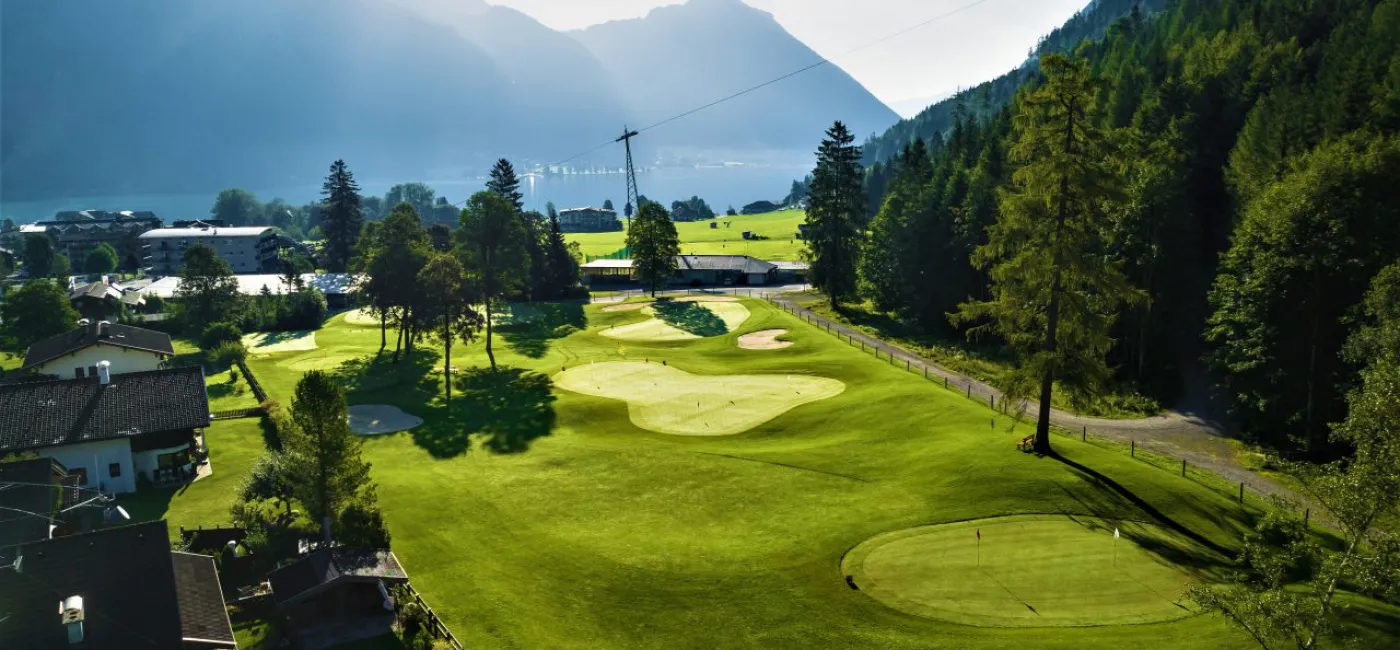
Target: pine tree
(1054, 292)
(563, 268)
(506, 184)
(322, 456)
(836, 215)
(341, 218)
(493, 252)
(654, 245)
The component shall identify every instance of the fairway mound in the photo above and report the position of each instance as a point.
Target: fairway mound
(630, 306)
(326, 362)
(684, 320)
(764, 340)
(379, 419)
(275, 342)
(1030, 571)
(664, 399)
(361, 317)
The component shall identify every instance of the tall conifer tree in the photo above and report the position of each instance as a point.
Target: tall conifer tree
(341, 218)
(836, 215)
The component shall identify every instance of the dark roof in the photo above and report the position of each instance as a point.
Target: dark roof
(99, 290)
(122, 336)
(203, 615)
(740, 263)
(60, 412)
(124, 576)
(32, 486)
(324, 568)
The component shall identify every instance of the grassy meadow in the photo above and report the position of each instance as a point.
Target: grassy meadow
(698, 238)
(533, 516)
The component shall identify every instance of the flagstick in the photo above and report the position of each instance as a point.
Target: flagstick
(979, 550)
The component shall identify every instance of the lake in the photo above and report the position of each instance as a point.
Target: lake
(721, 187)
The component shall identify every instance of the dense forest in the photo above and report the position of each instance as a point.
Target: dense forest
(1253, 145)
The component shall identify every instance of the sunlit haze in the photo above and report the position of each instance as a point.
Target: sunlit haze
(907, 72)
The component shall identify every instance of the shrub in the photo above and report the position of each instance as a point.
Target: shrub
(219, 333)
(226, 354)
(362, 525)
(276, 424)
(154, 304)
(303, 310)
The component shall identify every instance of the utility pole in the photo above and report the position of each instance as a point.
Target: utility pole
(626, 139)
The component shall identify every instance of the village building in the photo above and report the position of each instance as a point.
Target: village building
(335, 286)
(35, 499)
(691, 271)
(77, 352)
(589, 220)
(249, 249)
(338, 594)
(114, 589)
(76, 233)
(111, 431)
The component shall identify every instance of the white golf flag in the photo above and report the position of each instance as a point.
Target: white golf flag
(1115, 533)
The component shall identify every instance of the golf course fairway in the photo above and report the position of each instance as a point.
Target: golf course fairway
(665, 399)
(683, 321)
(1030, 571)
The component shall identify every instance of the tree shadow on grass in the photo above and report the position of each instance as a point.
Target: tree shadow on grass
(508, 408)
(692, 317)
(529, 329)
(379, 372)
(1180, 556)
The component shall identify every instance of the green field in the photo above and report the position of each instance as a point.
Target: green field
(698, 238)
(535, 516)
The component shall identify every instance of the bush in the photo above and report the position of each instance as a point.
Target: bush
(154, 304)
(226, 355)
(218, 334)
(276, 424)
(303, 310)
(361, 525)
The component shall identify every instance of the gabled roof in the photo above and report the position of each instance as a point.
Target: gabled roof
(203, 615)
(64, 412)
(122, 336)
(98, 290)
(739, 263)
(328, 567)
(124, 576)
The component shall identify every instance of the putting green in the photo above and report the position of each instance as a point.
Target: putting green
(683, 321)
(361, 317)
(668, 400)
(1033, 571)
(275, 342)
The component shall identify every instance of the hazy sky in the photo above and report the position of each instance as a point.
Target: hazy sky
(970, 47)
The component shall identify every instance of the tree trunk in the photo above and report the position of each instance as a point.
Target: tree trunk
(1047, 381)
(383, 330)
(398, 342)
(447, 363)
(326, 530)
(489, 354)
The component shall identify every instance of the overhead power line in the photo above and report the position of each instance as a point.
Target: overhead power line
(794, 73)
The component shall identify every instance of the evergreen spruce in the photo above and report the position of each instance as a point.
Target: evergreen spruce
(836, 216)
(341, 218)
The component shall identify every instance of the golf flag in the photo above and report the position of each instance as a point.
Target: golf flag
(979, 534)
(1115, 533)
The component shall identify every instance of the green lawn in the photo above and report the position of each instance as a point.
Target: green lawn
(698, 238)
(234, 445)
(530, 516)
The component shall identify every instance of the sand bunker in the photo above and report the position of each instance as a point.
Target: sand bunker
(379, 419)
(764, 340)
(631, 306)
(361, 317)
(683, 321)
(276, 342)
(668, 400)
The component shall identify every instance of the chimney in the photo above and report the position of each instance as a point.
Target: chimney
(70, 612)
(104, 329)
(104, 372)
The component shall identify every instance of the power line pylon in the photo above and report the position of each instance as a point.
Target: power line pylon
(632, 200)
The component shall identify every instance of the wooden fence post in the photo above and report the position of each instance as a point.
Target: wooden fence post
(1241, 491)
(1132, 448)
(1183, 468)
(945, 383)
(993, 399)
(1083, 432)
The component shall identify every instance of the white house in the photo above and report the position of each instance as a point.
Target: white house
(108, 429)
(76, 353)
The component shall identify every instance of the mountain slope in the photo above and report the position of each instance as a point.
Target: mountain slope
(988, 97)
(680, 57)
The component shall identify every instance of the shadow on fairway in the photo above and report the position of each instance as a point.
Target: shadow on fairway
(378, 372)
(1089, 474)
(530, 332)
(509, 408)
(692, 317)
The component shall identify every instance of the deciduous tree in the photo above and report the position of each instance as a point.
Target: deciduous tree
(448, 299)
(493, 252)
(102, 259)
(654, 245)
(208, 291)
(36, 311)
(237, 207)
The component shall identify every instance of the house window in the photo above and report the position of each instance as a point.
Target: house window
(81, 473)
(114, 470)
(92, 371)
(78, 373)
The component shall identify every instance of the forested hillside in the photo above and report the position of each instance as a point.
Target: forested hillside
(988, 97)
(1254, 150)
